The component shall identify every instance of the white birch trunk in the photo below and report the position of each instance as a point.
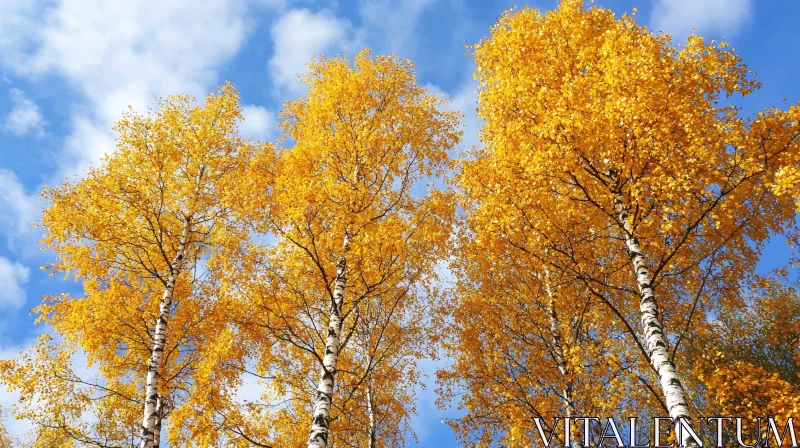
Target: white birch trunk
(157, 427)
(318, 436)
(151, 398)
(561, 361)
(655, 338)
(371, 415)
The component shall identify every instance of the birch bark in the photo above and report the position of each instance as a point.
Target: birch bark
(561, 361)
(318, 437)
(151, 398)
(655, 339)
(370, 413)
(157, 427)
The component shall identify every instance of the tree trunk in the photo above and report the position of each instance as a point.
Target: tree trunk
(371, 414)
(157, 427)
(561, 361)
(655, 338)
(156, 355)
(318, 437)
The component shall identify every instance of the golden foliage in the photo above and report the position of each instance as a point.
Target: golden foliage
(363, 138)
(600, 136)
(613, 177)
(117, 231)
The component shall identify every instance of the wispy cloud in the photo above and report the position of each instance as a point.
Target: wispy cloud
(678, 17)
(298, 36)
(464, 99)
(18, 210)
(13, 277)
(392, 24)
(25, 117)
(119, 53)
(258, 123)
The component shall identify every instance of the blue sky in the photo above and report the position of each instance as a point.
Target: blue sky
(69, 67)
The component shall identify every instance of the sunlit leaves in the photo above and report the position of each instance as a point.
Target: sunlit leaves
(600, 135)
(117, 231)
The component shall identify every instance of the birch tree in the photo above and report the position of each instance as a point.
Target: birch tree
(623, 132)
(348, 230)
(527, 342)
(133, 231)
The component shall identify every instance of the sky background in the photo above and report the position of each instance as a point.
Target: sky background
(68, 68)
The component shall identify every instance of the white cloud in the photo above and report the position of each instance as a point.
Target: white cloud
(19, 28)
(25, 118)
(18, 210)
(298, 36)
(678, 17)
(13, 277)
(465, 100)
(394, 22)
(119, 53)
(258, 123)
(88, 141)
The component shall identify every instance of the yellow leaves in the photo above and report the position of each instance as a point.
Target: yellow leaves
(587, 116)
(743, 390)
(745, 359)
(604, 117)
(58, 399)
(118, 230)
(361, 132)
(364, 136)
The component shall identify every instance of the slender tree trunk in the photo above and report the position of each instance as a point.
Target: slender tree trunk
(157, 427)
(318, 436)
(655, 338)
(371, 415)
(561, 361)
(157, 354)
